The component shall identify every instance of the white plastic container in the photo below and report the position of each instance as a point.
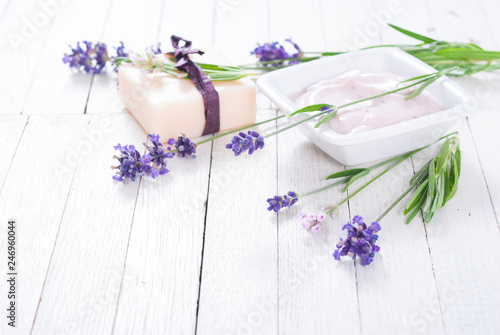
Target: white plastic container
(376, 144)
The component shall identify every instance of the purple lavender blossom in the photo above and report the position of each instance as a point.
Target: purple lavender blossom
(155, 49)
(132, 165)
(120, 52)
(360, 241)
(245, 142)
(275, 51)
(158, 156)
(328, 109)
(91, 60)
(185, 147)
(278, 202)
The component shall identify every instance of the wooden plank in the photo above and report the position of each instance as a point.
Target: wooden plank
(392, 277)
(197, 25)
(22, 43)
(104, 96)
(34, 194)
(87, 264)
(490, 8)
(239, 260)
(402, 270)
(4, 4)
(461, 21)
(316, 294)
(473, 308)
(466, 280)
(305, 262)
(55, 89)
(165, 249)
(159, 294)
(239, 271)
(11, 130)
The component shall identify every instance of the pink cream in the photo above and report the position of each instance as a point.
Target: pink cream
(377, 113)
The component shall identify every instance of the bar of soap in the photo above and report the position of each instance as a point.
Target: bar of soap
(169, 106)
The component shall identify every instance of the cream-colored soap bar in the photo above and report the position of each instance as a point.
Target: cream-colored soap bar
(169, 106)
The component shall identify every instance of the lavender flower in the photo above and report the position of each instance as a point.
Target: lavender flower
(274, 51)
(132, 165)
(185, 147)
(120, 52)
(360, 241)
(311, 222)
(158, 156)
(91, 60)
(278, 202)
(155, 49)
(245, 142)
(329, 109)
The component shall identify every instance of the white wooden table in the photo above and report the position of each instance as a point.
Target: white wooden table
(195, 251)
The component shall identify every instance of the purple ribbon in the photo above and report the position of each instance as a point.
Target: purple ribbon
(201, 81)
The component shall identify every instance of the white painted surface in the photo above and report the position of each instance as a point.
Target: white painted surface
(96, 257)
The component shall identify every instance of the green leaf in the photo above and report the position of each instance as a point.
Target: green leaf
(442, 156)
(420, 172)
(415, 78)
(412, 34)
(458, 160)
(446, 185)
(438, 201)
(356, 177)
(345, 173)
(432, 179)
(415, 210)
(311, 108)
(421, 192)
(421, 88)
(325, 119)
(456, 173)
(476, 55)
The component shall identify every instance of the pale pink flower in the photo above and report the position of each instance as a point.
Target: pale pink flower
(316, 228)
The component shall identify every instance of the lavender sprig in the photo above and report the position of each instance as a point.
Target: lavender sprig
(278, 202)
(360, 241)
(465, 58)
(91, 60)
(184, 146)
(274, 53)
(132, 165)
(245, 142)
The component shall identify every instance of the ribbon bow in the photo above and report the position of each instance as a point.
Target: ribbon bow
(203, 84)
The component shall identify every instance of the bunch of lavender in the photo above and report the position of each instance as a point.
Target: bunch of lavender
(95, 56)
(467, 58)
(435, 184)
(274, 54)
(154, 163)
(360, 241)
(91, 60)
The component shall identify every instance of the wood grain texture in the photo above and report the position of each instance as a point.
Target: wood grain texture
(21, 43)
(55, 88)
(239, 274)
(34, 194)
(87, 264)
(195, 251)
(11, 130)
(104, 96)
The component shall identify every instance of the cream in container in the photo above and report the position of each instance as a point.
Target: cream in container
(372, 114)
